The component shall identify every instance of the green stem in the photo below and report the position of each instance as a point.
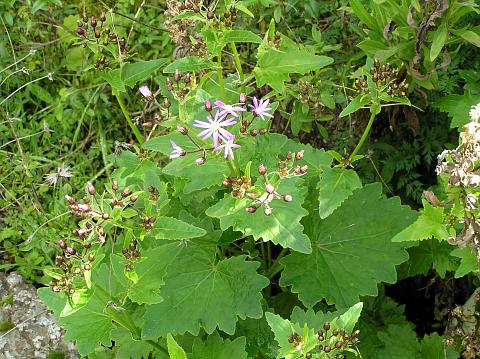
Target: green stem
(276, 267)
(134, 128)
(158, 346)
(238, 65)
(365, 133)
(221, 81)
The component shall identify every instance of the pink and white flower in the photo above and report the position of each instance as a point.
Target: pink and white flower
(228, 109)
(177, 151)
(228, 147)
(215, 128)
(260, 108)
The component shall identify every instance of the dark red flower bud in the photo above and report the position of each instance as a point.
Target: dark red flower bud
(262, 131)
(326, 326)
(208, 105)
(303, 169)
(299, 155)
(251, 209)
(102, 16)
(71, 251)
(182, 130)
(254, 132)
(125, 192)
(93, 22)
(62, 244)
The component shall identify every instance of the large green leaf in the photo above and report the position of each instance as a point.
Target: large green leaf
(429, 224)
(468, 261)
(172, 228)
(189, 64)
(400, 342)
(139, 71)
(218, 348)
(79, 325)
(457, 107)
(431, 254)
(352, 250)
(211, 173)
(274, 66)
(335, 185)
(281, 227)
(128, 348)
(201, 292)
(147, 275)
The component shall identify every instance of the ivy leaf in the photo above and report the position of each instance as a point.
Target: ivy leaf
(281, 227)
(334, 187)
(172, 228)
(200, 292)
(275, 66)
(357, 233)
(174, 350)
(216, 347)
(429, 224)
(468, 261)
(209, 174)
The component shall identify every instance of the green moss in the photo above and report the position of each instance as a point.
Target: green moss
(56, 355)
(7, 300)
(6, 326)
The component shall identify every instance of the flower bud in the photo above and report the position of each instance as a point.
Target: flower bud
(327, 349)
(70, 200)
(182, 130)
(100, 230)
(267, 211)
(210, 15)
(85, 18)
(251, 209)
(169, 85)
(227, 182)
(133, 198)
(262, 169)
(115, 185)
(56, 288)
(62, 244)
(87, 266)
(80, 31)
(326, 326)
(105, 216)
(303, 169)
(97, 34)
(102, 16)
(125, 192)
(93, 22)
(208, 105)
(166, 103)
(200, 161)
(254, 132)
(83, 207)
(87, 245)
(90, 188)
(262, 131)
(243, 98)
(177, 75)
(71, 251)
(269, 188)
(288, 198)
(71, 291)
(299, 155)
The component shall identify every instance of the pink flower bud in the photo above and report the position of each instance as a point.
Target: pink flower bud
(208, 105)
(200, 161)
(303, 169)
(182, 130)
(83, 207)
(299, 155)
(71, 251)
(262, 169)
(243, 98)
(90, 188)
(70, 200)
(288, 198)
(269, 188)
(251, 209)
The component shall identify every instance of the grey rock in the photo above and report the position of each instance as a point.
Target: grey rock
(35, 333)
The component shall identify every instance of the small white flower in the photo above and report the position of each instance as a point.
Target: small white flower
(145, 91)
(52, 178)
(475, 112)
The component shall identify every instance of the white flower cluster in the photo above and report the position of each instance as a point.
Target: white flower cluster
(460, 162)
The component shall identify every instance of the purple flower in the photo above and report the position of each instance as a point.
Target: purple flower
(177, 151)
(228, 147)
(145, 91)
(214, 128)
(228, 109)
(260, 108)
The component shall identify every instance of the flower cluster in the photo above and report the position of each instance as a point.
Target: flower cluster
(460, 162)
(217, 124)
